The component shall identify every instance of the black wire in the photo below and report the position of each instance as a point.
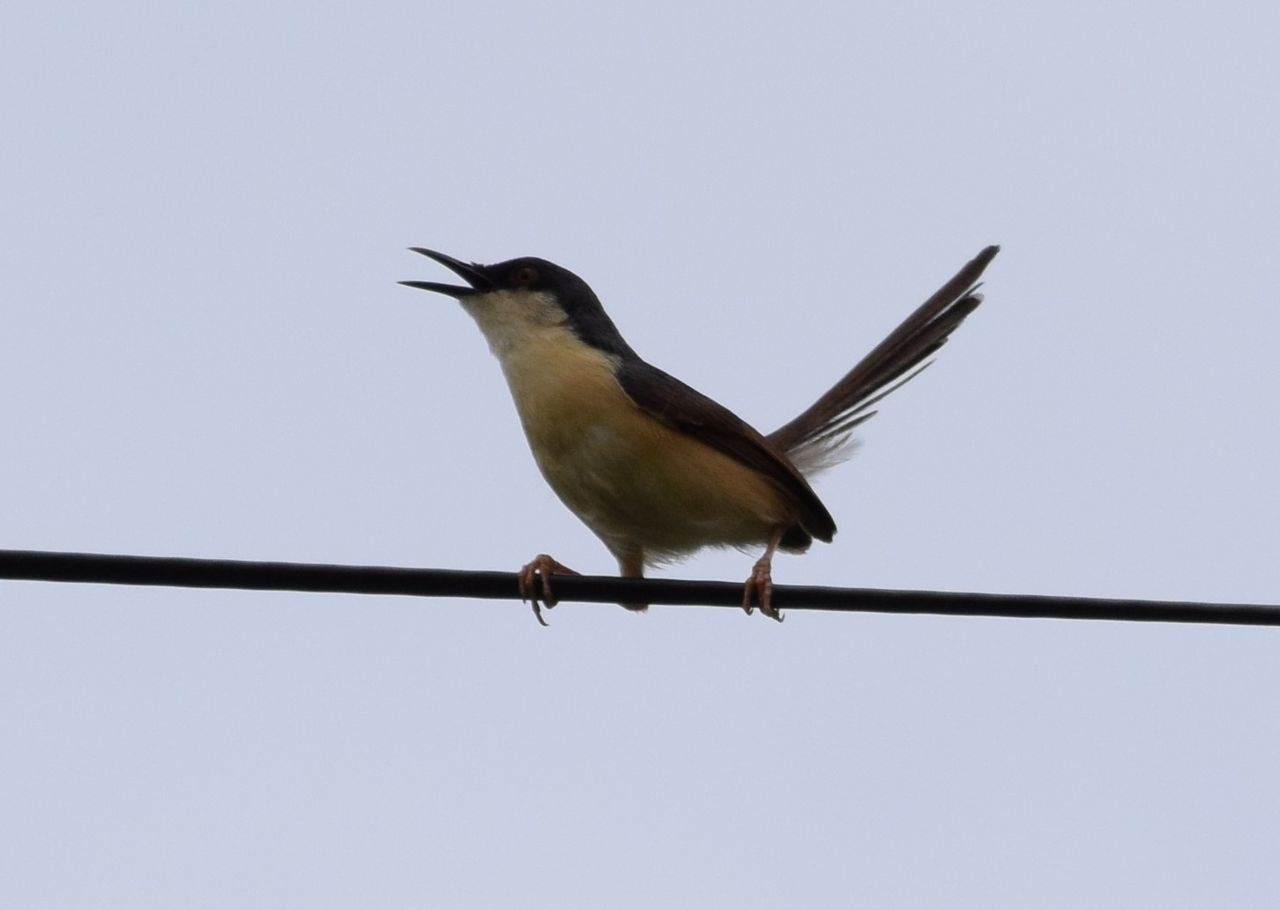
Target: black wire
(94, 568)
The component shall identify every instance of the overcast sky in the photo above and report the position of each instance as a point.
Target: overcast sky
(203, 352)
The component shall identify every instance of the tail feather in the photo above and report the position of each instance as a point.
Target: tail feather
(820, 437)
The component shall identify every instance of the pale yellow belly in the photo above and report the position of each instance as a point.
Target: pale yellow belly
(636, 483)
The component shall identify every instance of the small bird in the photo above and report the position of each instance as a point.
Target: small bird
(654, 468)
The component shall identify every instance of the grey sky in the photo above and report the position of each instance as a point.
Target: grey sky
(204, 352)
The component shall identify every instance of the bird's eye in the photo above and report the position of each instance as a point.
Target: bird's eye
(524, 276)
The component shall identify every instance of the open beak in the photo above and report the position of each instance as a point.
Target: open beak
(473, 274)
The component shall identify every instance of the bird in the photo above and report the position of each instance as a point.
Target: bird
(654, 468)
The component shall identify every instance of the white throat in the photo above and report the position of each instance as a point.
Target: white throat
(514, 320)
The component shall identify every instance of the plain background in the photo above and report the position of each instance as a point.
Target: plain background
(204, 352)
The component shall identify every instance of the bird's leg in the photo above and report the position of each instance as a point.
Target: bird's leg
(631, 565)
(540, 570)
(760, 584)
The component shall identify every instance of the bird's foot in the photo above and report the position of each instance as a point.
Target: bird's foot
(535, 583)
(759, 587)
(631, 565)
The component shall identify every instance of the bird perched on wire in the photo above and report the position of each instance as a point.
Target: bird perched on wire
(656, 469)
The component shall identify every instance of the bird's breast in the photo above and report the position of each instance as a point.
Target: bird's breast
(632, 479)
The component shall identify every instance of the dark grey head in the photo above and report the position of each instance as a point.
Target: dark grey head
(582, 309)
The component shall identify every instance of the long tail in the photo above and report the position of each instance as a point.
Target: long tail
(821, 436)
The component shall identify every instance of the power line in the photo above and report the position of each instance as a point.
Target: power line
(96, 568)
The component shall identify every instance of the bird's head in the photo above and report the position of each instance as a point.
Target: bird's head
(518, 296)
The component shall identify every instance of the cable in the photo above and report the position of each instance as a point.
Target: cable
(95, 568)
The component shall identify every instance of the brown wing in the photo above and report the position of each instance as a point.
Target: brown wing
(688, 410)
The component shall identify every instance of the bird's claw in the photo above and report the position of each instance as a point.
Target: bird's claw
(535, 583)
(759, 587)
